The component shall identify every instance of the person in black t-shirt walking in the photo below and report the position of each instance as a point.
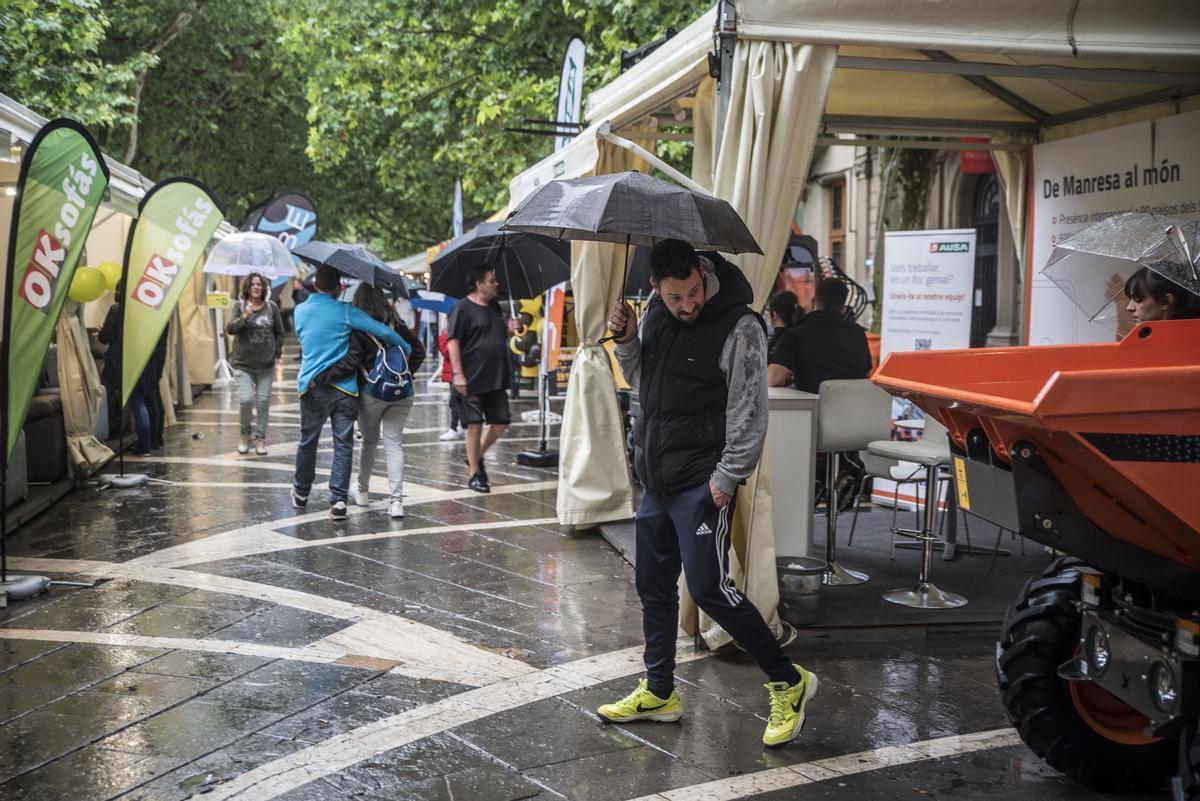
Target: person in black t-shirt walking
(479, 358)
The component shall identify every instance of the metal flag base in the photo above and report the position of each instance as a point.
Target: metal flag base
(925, 596)
(127, 480)
(538, 458)
(21, 587)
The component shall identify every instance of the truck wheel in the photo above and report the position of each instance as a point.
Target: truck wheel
(1077, 727)
(1187, 786)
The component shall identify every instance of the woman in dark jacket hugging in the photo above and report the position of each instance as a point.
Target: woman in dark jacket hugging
(376, 416)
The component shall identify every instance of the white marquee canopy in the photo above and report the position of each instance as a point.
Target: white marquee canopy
(799, 73)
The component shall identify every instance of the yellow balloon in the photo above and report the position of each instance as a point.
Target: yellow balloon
(112, 274)
(87, 285)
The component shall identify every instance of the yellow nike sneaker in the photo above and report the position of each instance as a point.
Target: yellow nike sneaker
(641, 704)
(787, 708)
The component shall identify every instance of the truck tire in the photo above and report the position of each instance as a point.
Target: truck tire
(1186, 787)
(1041, 632)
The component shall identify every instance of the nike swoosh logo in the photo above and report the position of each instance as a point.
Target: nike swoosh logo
(796, 706)
(641, 708)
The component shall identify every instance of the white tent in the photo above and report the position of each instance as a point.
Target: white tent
(795, 73)
(416, 264)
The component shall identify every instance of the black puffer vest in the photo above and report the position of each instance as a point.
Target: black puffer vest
(680, 434)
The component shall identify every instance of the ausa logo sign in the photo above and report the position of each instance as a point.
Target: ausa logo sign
(41, 274)
(949, 247)
(156, 282)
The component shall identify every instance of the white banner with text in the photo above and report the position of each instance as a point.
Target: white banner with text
(928, 288)
(1149, 166)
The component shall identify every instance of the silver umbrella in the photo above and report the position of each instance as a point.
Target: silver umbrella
(247, 252)
(1092, 265)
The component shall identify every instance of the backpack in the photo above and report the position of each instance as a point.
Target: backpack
(389, 378)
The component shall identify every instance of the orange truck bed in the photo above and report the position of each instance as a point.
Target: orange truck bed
(1118, 424)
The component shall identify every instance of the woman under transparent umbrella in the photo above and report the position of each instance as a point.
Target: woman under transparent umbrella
(257, 328)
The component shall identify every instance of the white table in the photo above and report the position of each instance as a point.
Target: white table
(791, 458)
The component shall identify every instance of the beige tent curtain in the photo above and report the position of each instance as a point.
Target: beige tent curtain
(593, 475)
(199, 342)
(1010, 170)
(165, 384)
(704, 140)
(179, 385)
(82, 393)
(778, 95)
(777, 98)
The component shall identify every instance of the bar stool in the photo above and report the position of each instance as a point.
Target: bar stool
(850, 414)
(932, 455)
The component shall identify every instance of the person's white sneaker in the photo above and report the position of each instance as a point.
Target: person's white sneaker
(396, 509)
(244, 444)
(448, 435)
(361, 497)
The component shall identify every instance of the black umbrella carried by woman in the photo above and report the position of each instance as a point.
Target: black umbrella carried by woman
(354, 261)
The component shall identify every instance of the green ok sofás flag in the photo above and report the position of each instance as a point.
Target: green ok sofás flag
(62, 179)
(175, 222)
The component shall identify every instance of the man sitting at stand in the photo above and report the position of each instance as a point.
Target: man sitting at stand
(825, 345)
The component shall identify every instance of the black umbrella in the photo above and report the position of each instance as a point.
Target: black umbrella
(354, 261)
(529, 263)
(632, 208)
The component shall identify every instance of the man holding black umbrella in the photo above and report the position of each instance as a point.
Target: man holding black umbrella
(479, 357)
(699, 366)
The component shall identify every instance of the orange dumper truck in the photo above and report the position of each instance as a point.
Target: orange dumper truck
(1094, 451)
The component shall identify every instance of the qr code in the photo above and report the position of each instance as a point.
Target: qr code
(923, 344)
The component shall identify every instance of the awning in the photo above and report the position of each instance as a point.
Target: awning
(912, 67)
(126, 187)
(670, 72)
(1148, 29)
(415, 263)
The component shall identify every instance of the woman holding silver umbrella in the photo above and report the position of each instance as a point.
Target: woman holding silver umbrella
(1155, 297)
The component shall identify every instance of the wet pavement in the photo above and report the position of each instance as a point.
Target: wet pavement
(233, 647)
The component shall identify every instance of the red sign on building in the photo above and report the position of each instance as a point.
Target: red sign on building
(975, 162)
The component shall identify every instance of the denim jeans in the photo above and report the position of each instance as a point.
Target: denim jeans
(156, 412)
(137, 410)
(254, 389)
(318, 404)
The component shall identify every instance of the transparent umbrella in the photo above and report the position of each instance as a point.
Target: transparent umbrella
(1092, 265)
(248, 252)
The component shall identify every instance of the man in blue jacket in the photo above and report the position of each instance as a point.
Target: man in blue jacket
(323, 325)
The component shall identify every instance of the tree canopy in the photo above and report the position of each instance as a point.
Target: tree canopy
(372, 107)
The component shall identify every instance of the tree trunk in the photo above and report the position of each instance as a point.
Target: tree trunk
(168, 35)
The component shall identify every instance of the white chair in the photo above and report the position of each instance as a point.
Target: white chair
(933, 453)
(850, 414)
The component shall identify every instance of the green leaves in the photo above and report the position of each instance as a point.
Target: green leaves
(373, 107)
(50, 60)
